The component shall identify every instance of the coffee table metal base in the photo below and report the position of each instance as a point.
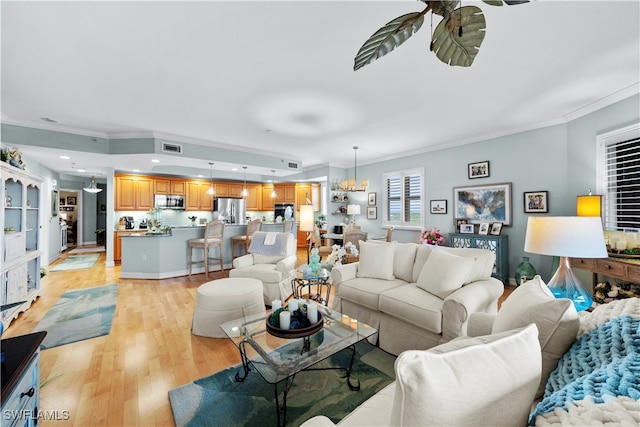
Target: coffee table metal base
(281, 408)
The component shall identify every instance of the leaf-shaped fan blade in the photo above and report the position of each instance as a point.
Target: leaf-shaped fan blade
(460, 51)
(509, 2)
(388, 38)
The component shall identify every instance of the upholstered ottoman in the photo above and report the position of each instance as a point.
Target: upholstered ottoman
(222, 300)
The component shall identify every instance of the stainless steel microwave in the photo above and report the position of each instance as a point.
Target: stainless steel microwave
(169, 201)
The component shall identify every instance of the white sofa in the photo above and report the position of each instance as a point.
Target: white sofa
(270, 263)
(576, 370)
(416, 296)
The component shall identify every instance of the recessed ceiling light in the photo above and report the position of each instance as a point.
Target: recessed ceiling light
(155, 160)
(234, 169)
(48, 119)
(135, 170)
(65, 157)
(200, 176)
(81, 170)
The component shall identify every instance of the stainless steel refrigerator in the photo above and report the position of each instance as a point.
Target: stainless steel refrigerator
(230, 210)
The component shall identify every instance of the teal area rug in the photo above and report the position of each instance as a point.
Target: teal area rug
(76, 262)
(218, 400)
(79, 315)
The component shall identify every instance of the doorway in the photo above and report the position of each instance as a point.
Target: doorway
(70, 215)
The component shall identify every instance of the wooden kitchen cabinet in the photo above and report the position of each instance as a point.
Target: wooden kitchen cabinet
(308, 191)
(254, 198)
(117, 244)
(169, 186)
(197, 198)
(286, 193)
(222, 189)
(134, 193)
(235, 190)
(267, 200)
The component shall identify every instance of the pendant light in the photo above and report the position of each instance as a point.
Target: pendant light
(352, 183)
(211, 191)
(245, 193)
(273, 180)
(93, 187)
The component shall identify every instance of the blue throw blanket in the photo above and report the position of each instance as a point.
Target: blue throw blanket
(602, 365)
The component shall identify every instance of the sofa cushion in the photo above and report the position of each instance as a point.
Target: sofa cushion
(365, 291)
(444, 272)
(413, 305)
(376, 261)
(403, 259)
(483, 265)
(556, 319)
(481, 381)
(266, 273)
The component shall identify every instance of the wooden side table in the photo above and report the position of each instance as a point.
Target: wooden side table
(619, 268)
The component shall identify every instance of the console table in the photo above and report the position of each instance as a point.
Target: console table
(619, 268)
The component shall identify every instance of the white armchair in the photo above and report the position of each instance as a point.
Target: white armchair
(271, 258)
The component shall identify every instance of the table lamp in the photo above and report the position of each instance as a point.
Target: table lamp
(353, 210)
(565, 237)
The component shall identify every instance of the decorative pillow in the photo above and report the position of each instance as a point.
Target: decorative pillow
(480, 381)
(422, 255)
(557, 321)
(443, 273)
(403, 259)
(484, 259)
(376, 261)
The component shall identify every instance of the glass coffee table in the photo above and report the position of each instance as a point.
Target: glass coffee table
(278, 360)
(307, 278)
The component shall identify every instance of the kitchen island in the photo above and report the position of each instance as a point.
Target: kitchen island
(162, 256)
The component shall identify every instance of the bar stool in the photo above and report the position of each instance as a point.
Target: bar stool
(213, 233)
(252, 227)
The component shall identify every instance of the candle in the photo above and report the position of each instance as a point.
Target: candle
(293, 305)
(354, 323)
(312, 313)
(285, 319)
(345, 319)
(276, 304)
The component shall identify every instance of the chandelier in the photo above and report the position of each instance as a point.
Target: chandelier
(351, 184)
(92, 187)
(455, 41)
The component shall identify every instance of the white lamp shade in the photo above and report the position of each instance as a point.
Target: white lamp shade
(568, 236)
(353, 209)
(306, 218)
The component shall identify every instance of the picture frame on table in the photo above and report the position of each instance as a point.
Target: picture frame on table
(478, 170)
(459, 223)
(466, 228)
(72, 200)
(536, 201)
(483, 203)
(371, 199)
(496, 229)
(484, 228)
(438, 206)
(372, 212)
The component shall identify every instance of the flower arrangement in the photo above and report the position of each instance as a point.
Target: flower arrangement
(339, 253)
(431, 237)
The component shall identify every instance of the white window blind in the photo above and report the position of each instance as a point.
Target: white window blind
(621, 183)
(403, 198)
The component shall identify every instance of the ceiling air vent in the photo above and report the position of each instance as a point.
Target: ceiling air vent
(293, 165)
(171, 148)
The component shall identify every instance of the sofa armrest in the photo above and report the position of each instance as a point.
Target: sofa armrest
(243, 261)
(480, 324)
(318, 421)
(479, 296)
(342, 273)
(287, 264)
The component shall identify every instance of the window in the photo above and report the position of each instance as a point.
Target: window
(403, 198)
(619, 171)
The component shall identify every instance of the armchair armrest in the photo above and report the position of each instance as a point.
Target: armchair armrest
(478, 296)
(243, 261)
(287, 264)
(480, 324)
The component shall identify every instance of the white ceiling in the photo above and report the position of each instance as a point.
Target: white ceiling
(277, 77)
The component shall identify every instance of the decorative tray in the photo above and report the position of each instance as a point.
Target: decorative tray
(295, 333)
(617, 254)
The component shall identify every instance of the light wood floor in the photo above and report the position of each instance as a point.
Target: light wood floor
(123, 378)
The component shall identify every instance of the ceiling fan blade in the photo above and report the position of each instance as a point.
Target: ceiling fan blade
(460, 50)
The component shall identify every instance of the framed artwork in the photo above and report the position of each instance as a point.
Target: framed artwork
(478, 170)
(484, 228)
(62, 201)
(536, 202)
(496, 229)
(371, 199)
(438, 206)
(466, 228)
(54, 203)
(71, 200)
(67, 208)
(484, 203)
(372, 212)
(460, 223)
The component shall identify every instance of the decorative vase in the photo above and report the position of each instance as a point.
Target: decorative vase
(525, 271)
(314, 265)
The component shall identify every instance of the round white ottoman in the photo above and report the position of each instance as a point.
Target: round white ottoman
(222, 300)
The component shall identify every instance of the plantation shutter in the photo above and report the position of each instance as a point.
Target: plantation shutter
(622, 176)
(403, 198)
(412, 199)
(394, 199)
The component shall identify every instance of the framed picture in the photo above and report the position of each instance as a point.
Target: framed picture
(71, 200)
(484, 228)
(371, 199)
(438, 206)
(62, 201)
(372, 212)
(496, 228)
(67, 208)
(460, 223)
(54, 203)
(478, 170)
(466, 228)
(485, 203)
(536, 202)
